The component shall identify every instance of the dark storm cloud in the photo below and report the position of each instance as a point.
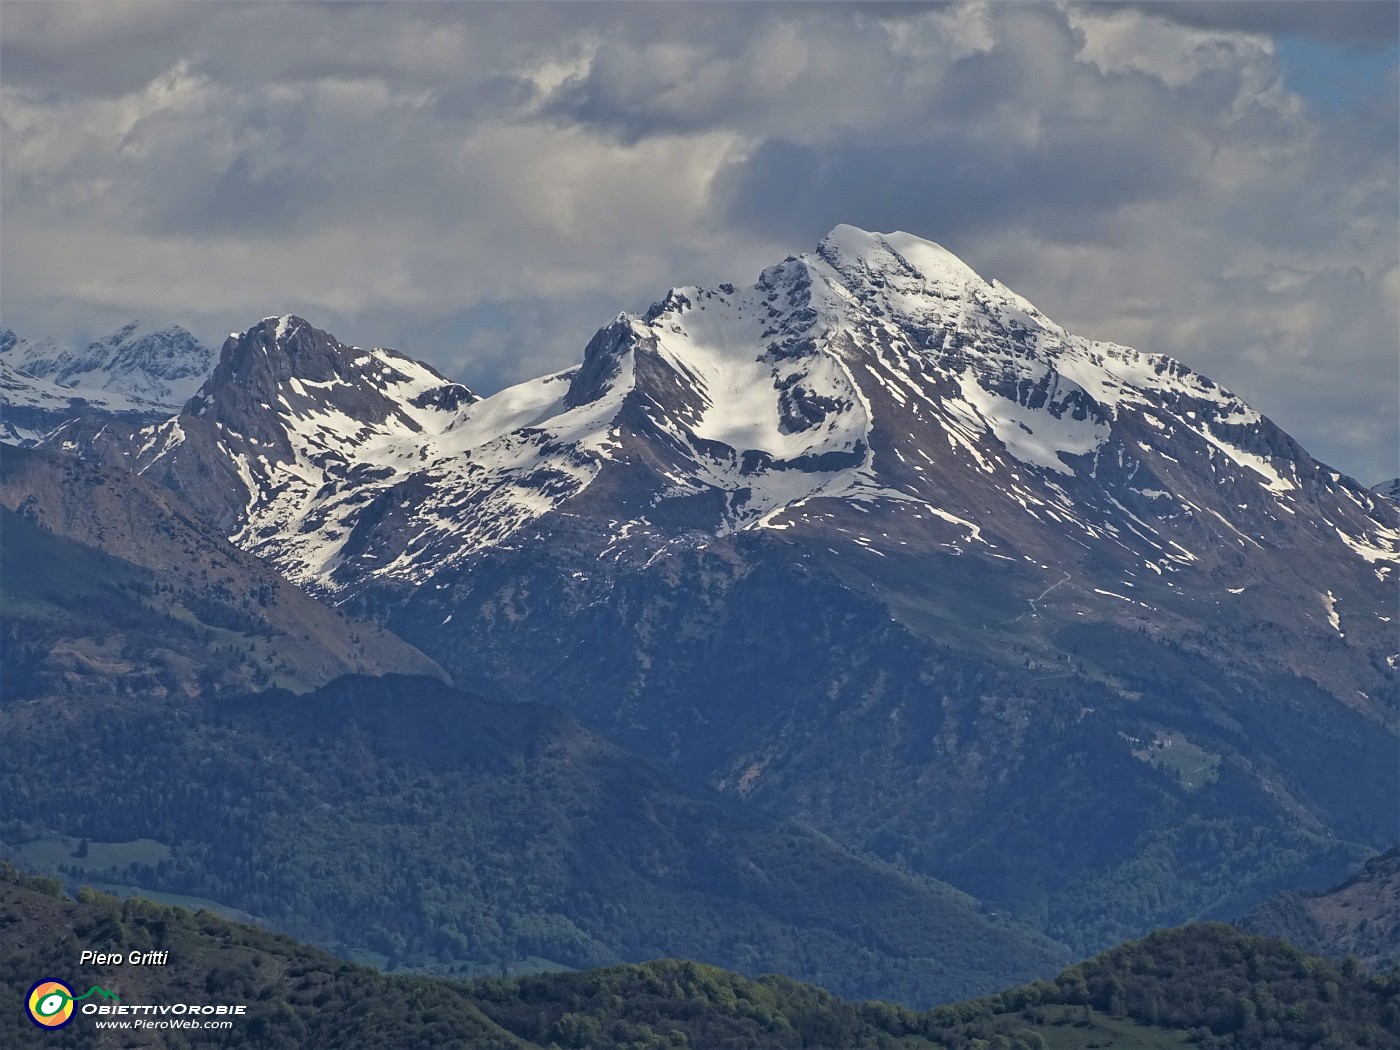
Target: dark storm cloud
(484, 184)
(1369, 26)
(489, 97)
(997, 148)
(235, 199)
(958, 184)
(70, 48)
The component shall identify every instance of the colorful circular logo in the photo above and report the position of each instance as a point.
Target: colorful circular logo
(50, 1004)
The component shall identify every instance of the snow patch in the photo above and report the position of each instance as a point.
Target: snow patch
(1330, 603)
(1033, 436)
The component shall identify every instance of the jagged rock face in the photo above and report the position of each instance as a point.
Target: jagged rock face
(873, 542)
(301, 371)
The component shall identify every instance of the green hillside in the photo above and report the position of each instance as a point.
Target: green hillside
(1208, 986)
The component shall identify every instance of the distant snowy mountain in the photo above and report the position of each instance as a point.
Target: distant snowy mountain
(30, 408)
(138, 374)
(1389, 489)
(875, 542)
(164, 365)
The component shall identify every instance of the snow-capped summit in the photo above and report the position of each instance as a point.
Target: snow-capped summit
(1389, 489)
(159, 364)
(883, 368)
(911, 265)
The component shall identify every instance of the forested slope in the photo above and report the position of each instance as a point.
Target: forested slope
(1207, 985)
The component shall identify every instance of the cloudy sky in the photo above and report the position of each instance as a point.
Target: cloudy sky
(482, 185)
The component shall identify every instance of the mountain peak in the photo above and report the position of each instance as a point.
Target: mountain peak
(277, 350)
(850, 249)
(282, 327)
(287, 402)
